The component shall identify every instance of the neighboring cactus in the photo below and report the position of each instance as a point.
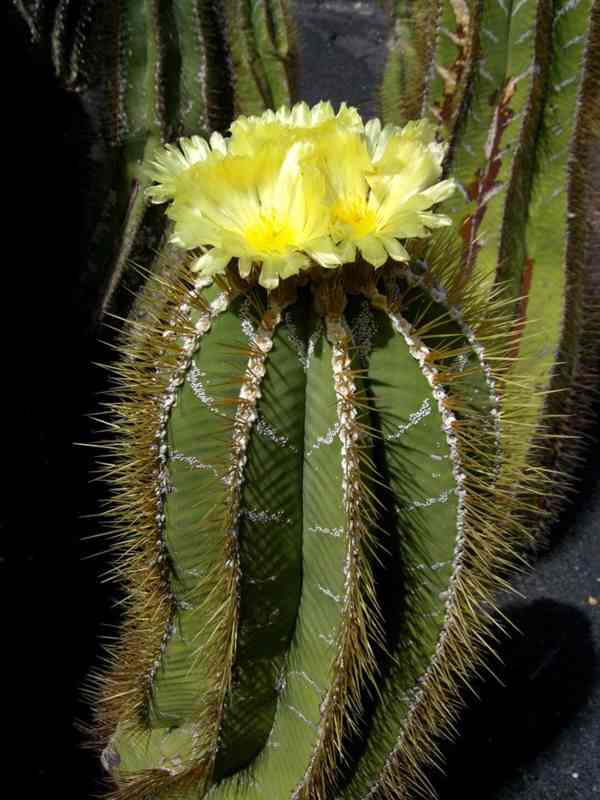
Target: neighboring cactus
(515, 85)
(148, 72)
(317, 492)
(261, 46)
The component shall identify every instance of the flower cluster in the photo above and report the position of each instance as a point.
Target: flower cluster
(301, 186)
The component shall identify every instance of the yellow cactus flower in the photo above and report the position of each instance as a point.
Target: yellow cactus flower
(262, 209)
(383, 188)
(301, 186)
(300, 123)
(172, 160)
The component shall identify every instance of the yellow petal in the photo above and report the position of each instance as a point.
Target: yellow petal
(245, 267)
(212, 262)
(405, 224)
(324, 252)
(394, 248)
(440, 191)
(347, 251)
(269, 273)
(372, 251)
(218, 143)
(434, 220)
(169, 162)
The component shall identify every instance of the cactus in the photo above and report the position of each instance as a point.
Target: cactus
(317, 488)
(148, 72)
(261, 39)
(314, 513)
(515, 86)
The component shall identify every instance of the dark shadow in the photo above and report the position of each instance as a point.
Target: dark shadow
(544, 674)
(62, 603)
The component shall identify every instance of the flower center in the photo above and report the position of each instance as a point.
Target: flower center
(269, 234)
(353, 213)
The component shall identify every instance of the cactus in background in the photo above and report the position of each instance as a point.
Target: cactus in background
(315, 471)
(260, 36)
(148, 72)
(515, 85)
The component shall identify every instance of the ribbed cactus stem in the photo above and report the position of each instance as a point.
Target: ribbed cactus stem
(413, 31)
(223, 624)
(190, 345)
(457, 57)
(333, 492)
(261, 57)
(422, 354)
(443, 298)
(354, 662)
(419, 698)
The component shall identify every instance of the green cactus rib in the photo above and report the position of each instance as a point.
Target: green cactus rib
(457, 53)
(299, 453)
(270, 556)
(69, 61)
(578, 361)
(549, 220)
(423, 504)
(273, 43)
(433, 54)
(398, 729)
(201, 105)
(413, 32)
(261, 54)
(505, 109)
(194, 472)
(147, 102)
(137, 124)
(512, 250)
(140, 506)
(536, 244)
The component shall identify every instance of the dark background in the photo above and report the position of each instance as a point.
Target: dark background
(534, 732)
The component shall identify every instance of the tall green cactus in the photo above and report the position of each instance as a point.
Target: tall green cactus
(516, 86)
(149, 71)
